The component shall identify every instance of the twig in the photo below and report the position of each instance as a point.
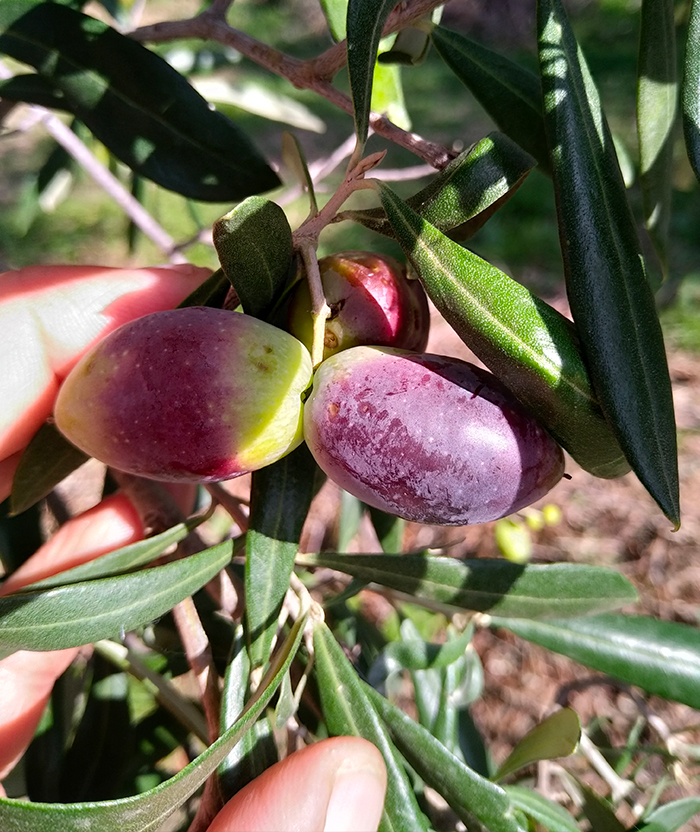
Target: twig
(111, 185)
(313, 74)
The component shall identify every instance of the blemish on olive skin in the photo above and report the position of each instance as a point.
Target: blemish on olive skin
(333, 410)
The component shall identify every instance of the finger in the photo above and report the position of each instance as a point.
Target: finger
(335, 785)
(51, 315)
(108, 526)
(26, 680)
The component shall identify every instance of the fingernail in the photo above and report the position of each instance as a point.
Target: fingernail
(357, 799)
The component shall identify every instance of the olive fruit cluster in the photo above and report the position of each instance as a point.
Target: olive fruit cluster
(201, 394)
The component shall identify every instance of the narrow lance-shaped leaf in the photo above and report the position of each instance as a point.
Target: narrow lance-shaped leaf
(657, 105)
(256, 751)
(254, 244)
(661, 657)
(85, 612)
(364, 26)
(163, 130)
(280, 498)
(348, 711)
(611, 300)
(508, 92)
(690, 94)
(466, 192)
(557, 736)
(121, 560)
(672, 816)
(147, 811)
(527, 344)
(547, 813)
(504, 588)
(47, 460)
(467, 793)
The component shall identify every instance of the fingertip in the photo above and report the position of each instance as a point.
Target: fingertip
(336, 785)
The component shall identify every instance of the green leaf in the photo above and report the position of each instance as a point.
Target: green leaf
(690, 90)
(498, 586)
(47, 460)
(33, 89)
(163, 130)
(598, 811)
(364, 26)
(335, 12)
(348, 711)
(469, 794)
(611, 300)
(661, 657)
(256, 751)
(508, 92)
(539, 808)
(389, 529)
(294, 159)
(387, 95)
(254, 244)
(657, 105)
(416, 654)
(146, 812)
(466, 192)
(527, 344)
(120, 560)
(88, 611)
(409, 48)
(670, 817)
(212, 292)
(556, 736)
(280, 498)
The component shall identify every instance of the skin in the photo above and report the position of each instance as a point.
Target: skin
(337, 784)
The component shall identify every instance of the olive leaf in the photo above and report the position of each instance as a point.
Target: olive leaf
(469, 794)
(348, 711)
(254, 244)
(556, 736)
(657, 106)
(47, 460)
(163, 130)
(280, 498)
(661, 657)
(465, 193)
(84, 612)
(690, 91)
(146, 812)
(526, 343)
(364, 25)
(610, 297)
(508, 92)
(484, 584)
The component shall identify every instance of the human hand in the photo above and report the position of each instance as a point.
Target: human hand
(49, 317)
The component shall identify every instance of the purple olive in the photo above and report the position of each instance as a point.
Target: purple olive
(425, 437)
(194, 395)
(372, 301)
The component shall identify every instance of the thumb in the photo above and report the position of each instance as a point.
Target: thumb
(336, 785)
(51, 315)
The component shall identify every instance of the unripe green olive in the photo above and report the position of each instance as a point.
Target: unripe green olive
(194, 394)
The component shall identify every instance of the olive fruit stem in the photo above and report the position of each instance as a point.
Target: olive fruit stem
(306, 242)
(320, 310)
